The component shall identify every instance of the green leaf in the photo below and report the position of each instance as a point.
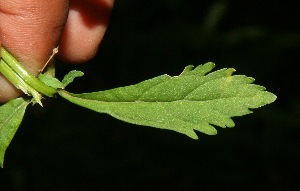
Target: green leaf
(69, 78)
(55, 83)
(11, 115)
(191, 101)
(50, 81)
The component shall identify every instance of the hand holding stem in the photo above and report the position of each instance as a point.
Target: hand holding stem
(30, 29)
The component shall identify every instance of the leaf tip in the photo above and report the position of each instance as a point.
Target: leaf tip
(211, 64)
(186, 70)
(192, 135)
(230, 71)
(69, 78)
(270, 98)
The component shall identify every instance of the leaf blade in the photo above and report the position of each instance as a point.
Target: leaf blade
(191, 101)
(11, 116)
(50, 81)
(69, 78)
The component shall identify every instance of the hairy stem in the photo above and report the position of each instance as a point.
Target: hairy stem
(25, 75)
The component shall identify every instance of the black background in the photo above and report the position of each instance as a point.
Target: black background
(65, 147)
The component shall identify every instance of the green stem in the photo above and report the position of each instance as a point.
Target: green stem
(25, 75)
(17, 81)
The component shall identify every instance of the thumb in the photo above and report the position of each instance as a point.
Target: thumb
(30, 29)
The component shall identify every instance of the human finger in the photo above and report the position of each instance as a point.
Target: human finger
(84, 30)
(30, 29)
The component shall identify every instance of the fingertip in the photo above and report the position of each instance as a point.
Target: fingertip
(84, 30)
(79, 44)
(7, 87)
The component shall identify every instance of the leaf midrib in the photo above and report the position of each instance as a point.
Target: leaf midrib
(140, 101)
(11, 116)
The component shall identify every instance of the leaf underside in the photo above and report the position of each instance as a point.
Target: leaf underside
(11, 115)
(194, 100)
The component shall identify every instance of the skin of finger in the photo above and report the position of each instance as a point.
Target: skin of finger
(30, 29)
(84, 30)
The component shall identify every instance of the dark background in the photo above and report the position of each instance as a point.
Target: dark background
(65, 147)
